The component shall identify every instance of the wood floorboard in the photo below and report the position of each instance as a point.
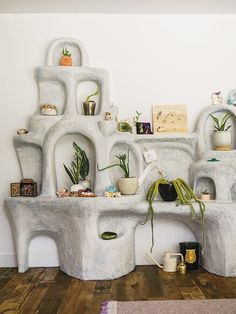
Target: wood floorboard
(50, 291)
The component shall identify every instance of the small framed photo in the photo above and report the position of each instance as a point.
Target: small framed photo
(28, 189)
(143, 128)
(15, 189)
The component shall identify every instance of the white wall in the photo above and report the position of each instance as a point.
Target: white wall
(151, 59)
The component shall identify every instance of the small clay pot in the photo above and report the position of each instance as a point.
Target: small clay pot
(167, 192)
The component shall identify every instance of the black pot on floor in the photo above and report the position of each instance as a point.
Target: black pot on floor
(167, 192)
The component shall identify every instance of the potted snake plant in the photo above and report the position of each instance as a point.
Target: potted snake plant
(170, 191)
(221, 137)
(79, 169)
(127, 185)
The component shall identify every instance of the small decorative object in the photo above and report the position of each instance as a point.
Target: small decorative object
(185, 195)
(221, 136)
(90, 105)
(26, 187)
(111, 191)
(169, 261)
(108, 116)
(79, 169)
(191, 253)
(124, 126)
(111, 188)
(205, 195)
(127, 185)
(169, 118)
(48, 110)
(66, 59)
(232, 98)
(80, 193)
(137, 116)
(217, 98)
(108, 235)
(143, 128)
(213, 159)
(22, 131)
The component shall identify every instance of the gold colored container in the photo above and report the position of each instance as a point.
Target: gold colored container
(48, 110)
(89, 107)
(182, 268)
(190, 256)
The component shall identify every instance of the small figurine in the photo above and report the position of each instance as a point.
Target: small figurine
(107, 116)
(232, 98)
(217, 98)
(66, 59)
(22, 131)
(48, 110)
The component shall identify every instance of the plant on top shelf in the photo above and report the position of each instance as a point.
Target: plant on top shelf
(90, 105)
(221, 136)
(127, 185)
(170, 191)
(66, 59)
(79, 169)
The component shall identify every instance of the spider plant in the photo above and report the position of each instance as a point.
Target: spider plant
(185, 195)
(123, 164)
(79, 166)
(220, 124)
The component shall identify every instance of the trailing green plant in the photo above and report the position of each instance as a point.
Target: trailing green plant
(91, 95)
(123, 164)
(185, 195)
(220, 123)
(79, 166)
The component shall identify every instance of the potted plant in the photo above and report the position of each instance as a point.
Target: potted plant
(90, 105)
(66, 59)
(205, 195)
(221, 136)
(79, 170)
(127, 185)
(183, 192)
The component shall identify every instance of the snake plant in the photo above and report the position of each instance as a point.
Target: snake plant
(79, 166)
(186, 196)
(220, 124)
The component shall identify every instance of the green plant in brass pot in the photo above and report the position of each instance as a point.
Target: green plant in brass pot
(127, 185)
(90, 105)
(170, 191)
(79, 169)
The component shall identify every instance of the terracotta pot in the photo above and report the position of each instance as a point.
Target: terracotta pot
(128, 186)
(205, 197)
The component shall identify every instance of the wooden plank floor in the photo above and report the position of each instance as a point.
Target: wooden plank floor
(49, 291)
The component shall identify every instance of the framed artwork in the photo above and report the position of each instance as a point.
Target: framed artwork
(26, 187)
(169, 118)
(143, 128)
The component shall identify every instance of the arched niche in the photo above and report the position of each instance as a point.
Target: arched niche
(116, 172)
(205, 183)
(75, 47)
(85, 89)
(209, 128)
(53, 93)
(64, 155)
(43, 251)
(167, 236)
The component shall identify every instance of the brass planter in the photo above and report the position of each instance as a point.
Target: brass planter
(89, 107)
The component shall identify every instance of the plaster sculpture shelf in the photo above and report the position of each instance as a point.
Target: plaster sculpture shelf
(77, 223)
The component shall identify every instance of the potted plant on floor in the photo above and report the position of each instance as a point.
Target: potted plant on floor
(79, 170)
(183, 192)
(127, 185)
(221, 136)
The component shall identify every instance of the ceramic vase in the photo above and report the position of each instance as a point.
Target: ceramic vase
(128, 186)
(222, 140)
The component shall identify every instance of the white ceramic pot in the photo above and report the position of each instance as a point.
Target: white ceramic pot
(76, 187)
(222, 139)
(128, 186)
(85, 184)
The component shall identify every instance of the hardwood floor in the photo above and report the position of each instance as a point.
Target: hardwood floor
(49, 291)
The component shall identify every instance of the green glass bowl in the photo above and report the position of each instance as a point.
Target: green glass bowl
(109, 235)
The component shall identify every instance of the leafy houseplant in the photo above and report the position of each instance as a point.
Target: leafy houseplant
(79, 167)
(127, 185)
(185, 195)
(221, 136)
(90, 105)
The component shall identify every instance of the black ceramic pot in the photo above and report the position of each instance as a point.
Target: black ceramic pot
(167, 192)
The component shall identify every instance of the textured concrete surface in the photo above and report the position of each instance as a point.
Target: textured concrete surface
(77, 223)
